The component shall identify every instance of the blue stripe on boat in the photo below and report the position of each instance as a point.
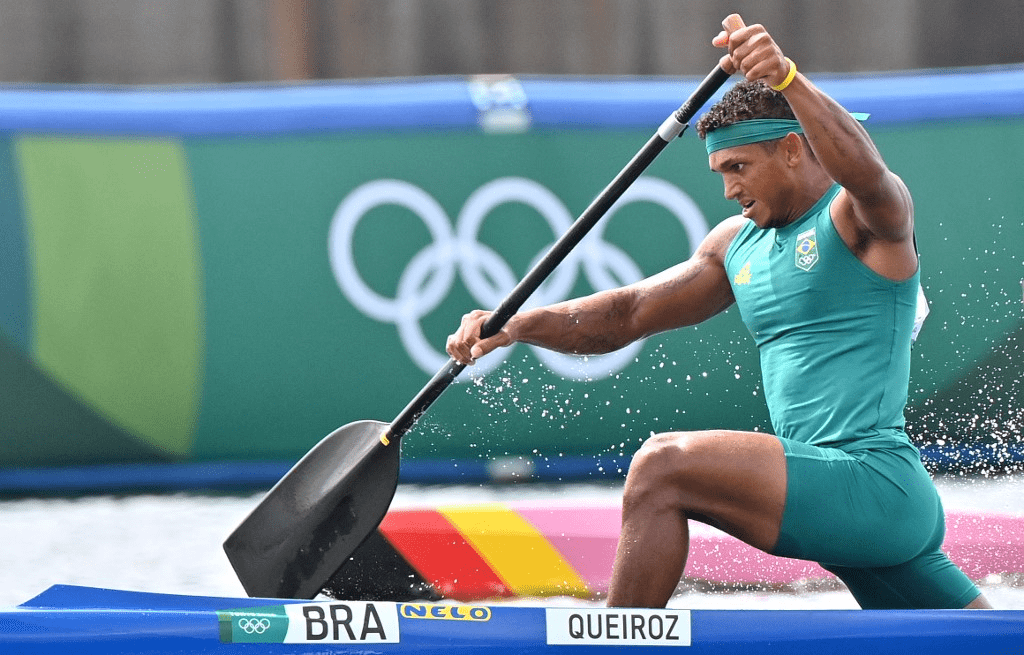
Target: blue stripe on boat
(87, 620)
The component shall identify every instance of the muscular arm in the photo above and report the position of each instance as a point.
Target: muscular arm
(685, 294)
(878, 198)
(874, 213)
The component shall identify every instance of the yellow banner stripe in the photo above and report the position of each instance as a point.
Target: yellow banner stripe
(518, 553)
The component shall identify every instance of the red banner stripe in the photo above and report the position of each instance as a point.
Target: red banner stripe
(439, 553)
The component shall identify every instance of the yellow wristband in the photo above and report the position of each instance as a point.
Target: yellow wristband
(789, 78)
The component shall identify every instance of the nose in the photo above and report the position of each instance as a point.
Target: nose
(732, 189)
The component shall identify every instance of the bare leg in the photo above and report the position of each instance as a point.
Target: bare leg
(650, 557)
(733, 480)
(979, 603)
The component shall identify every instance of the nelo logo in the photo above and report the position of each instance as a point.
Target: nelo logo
(445, 612)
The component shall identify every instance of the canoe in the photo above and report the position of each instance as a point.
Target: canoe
(86, 620)
(481, 551)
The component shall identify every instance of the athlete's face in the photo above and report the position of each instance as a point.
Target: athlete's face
(760, 180)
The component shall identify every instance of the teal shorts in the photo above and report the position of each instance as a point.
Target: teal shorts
(874, 519)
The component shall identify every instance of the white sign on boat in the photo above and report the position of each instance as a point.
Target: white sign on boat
(617, 627)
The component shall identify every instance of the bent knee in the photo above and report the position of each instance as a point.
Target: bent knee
(664, 462)
(672, 451)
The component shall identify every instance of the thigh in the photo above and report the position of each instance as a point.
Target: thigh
(860, 509)
(929, 581)
(735, 481)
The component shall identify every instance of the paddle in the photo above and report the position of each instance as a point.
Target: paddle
(315, 517)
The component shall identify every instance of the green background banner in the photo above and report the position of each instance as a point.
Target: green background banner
(207, 297)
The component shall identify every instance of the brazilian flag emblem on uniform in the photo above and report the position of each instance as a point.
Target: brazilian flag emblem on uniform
(806, 250)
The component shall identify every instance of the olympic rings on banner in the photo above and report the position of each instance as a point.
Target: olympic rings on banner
(253, 626)
(428, 277)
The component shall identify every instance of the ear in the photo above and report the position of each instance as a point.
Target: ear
(794, 148)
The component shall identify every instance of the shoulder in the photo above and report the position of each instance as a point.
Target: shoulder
(879, 232)
(885, 214)
(716, 243)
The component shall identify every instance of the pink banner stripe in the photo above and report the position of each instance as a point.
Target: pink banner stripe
(585, 536)
(981, 544)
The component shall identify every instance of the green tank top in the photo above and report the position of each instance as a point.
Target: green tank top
(833, 336)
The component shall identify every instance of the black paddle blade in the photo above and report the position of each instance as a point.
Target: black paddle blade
(377, 571)
(316, 516)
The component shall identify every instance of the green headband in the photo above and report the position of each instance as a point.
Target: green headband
(754, 131)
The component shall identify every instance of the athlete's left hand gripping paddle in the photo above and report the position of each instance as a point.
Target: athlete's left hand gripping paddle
(315, 517)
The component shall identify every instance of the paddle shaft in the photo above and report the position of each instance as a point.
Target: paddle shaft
(673, 126)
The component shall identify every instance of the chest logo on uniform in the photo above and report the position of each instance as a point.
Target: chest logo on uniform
(806, 250)
(743, 277)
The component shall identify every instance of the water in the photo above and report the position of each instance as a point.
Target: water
(172, 543)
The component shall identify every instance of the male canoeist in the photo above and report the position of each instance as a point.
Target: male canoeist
(823, 267)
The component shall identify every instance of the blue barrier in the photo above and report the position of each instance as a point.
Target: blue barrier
(243, 476)
(451, 103)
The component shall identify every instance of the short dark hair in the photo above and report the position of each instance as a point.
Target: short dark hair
(745, 101)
